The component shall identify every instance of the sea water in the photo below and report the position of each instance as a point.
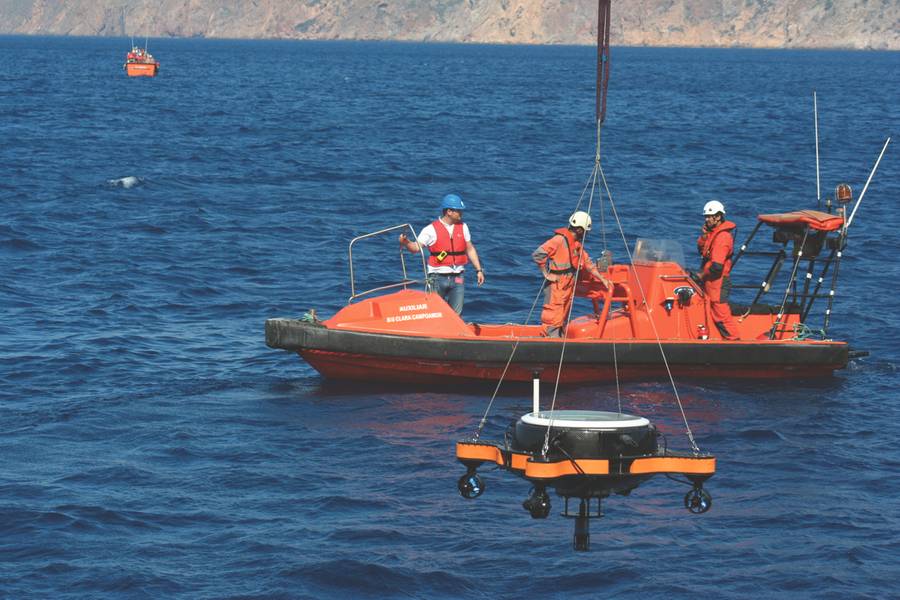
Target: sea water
(153, 446)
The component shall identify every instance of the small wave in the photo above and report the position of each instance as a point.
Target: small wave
(146, 228)
(366, 576)
(19, 245)
(116, 474)
(377, 535)
(199, 292)
(760, 434)
(336, 504)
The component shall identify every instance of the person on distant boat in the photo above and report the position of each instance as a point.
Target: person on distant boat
(450, 248)
(716, 247)
(560, 259)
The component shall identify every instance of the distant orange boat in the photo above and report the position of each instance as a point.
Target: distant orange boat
(140, 63)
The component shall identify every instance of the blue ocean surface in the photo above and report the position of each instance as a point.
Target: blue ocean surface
(152, 446)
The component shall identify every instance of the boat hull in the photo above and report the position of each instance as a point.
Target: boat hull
(355, 355)
(141, 69)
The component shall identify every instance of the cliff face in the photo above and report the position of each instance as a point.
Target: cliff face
(861, 24)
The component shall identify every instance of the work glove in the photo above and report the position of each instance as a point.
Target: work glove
(696, 278)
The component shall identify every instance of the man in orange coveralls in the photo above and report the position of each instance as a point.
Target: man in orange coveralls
(560, 258)
(716, 246)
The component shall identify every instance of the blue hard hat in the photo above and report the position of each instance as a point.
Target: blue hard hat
(452, 201)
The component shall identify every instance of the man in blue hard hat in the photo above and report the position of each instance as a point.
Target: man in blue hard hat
(449, 248)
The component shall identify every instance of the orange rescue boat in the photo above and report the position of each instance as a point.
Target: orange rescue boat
(140, 63)
(655, 319)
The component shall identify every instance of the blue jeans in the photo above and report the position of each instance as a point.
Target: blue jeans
(451, 288)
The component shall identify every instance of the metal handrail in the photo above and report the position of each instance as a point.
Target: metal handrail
(406, 280)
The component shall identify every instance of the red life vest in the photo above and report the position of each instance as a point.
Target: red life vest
(448, 250)
(565, 264)
(716, 239)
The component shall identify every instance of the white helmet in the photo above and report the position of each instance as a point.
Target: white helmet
(580, 219)
(713, 207)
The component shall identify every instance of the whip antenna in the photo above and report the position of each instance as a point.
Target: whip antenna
(868, 181)
(816, 119)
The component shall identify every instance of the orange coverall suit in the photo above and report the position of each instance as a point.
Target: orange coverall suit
(560, 256)
(716, 248)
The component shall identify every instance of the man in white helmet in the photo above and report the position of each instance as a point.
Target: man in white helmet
(560, 258)
(716, 247)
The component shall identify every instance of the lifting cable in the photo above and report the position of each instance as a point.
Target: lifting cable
(565, 337)
(506, 368)
(589, 184)
(662, 352)
(598, 170)
(603, 63)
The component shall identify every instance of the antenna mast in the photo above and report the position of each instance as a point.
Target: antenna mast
(816, 119)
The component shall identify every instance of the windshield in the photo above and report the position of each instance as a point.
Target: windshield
(653, 251)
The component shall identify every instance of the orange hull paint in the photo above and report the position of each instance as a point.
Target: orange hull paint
(141, 69)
